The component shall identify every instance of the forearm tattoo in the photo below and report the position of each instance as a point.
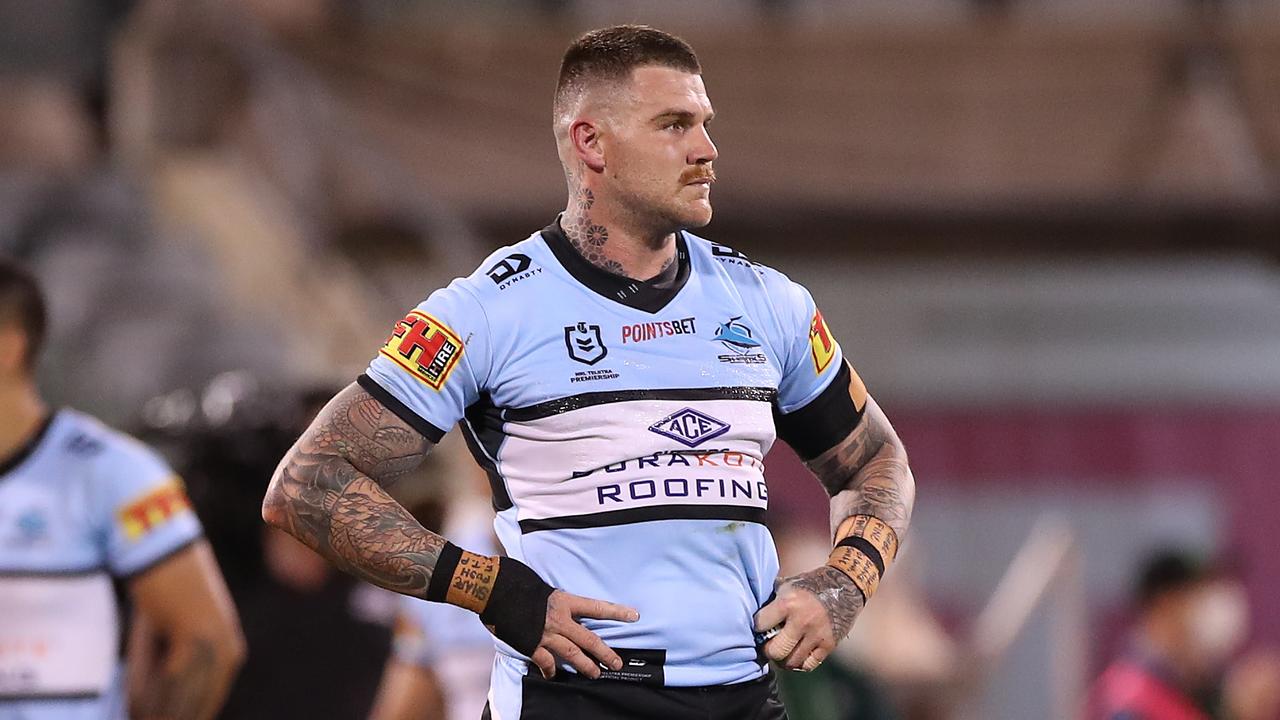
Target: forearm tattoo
(865, 474)
(331, 492)
(587, 236)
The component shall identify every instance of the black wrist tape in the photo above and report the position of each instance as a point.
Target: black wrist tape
(864, 546)
(446, 564)
(517, 609)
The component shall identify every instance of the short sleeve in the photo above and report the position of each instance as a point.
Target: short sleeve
(811, 357)
(434, 363)
(820, 398)
(150, 515)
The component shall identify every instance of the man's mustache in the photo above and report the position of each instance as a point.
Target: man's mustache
(701, 173)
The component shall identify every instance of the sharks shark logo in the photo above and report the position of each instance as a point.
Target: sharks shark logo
(737, 337)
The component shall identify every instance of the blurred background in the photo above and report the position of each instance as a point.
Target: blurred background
(1046, 232)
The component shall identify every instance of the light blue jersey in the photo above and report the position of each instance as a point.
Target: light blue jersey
(624, 427)
(80, 505)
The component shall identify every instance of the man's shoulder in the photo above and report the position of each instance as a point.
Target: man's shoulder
(99, 449)
(507, 272)
(734, 265)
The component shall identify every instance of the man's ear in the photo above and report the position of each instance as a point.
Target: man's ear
(586, 140)
(13, 350)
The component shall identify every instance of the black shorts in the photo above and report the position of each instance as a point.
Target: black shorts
(569, 697)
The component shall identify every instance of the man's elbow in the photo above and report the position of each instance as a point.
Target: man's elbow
(223, 649)
(235, 650)
(275, 502)
(228, 640)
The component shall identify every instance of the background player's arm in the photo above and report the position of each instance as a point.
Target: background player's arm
(408, 692)
(330, 492)
(186, 645)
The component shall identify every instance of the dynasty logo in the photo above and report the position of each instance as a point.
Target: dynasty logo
(727, 254)
(511, 270)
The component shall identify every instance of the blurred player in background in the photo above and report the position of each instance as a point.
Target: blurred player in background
(621, 381)
(81, 505)
(1191, 621)
(439, 667)
(317, 637)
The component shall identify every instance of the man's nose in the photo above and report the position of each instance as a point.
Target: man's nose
(703, 151)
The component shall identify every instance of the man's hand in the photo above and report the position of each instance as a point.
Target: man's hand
(564, 637)
(815, 611)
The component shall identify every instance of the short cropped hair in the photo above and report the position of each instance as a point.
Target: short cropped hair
(610, 54)
(22, 304)
(1168, 571)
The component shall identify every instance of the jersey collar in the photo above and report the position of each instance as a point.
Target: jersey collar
(25, 450)
(638, 294)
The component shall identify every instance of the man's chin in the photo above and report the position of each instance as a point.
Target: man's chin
(696, 217)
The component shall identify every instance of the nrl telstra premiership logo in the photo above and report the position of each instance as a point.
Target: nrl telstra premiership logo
(689, 427)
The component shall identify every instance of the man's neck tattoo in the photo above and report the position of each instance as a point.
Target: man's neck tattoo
(587, 237)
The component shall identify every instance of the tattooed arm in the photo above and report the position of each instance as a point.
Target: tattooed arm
(185, 645)
(865, 474)
(330, 492)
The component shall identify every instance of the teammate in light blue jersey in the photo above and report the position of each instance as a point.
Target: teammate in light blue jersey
(81, 506)
(621, 380)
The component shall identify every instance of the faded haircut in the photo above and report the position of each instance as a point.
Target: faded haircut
(608, 55)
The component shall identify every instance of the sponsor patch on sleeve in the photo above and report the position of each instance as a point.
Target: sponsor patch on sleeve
(820, 342)
(153, 509)
(425, 347)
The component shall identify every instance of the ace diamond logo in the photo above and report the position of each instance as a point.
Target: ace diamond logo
(689, 427)
(584, 343)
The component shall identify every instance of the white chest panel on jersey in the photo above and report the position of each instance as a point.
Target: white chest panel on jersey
(58, 636)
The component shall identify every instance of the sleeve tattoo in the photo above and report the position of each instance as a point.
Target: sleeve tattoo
(865, 474)
(330, 492)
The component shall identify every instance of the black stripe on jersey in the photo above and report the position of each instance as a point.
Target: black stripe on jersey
(651, 513)
(482, 429)
(605, 397)
(825, 421)
(46, 697)
(21, 454)
(402, 411)
(46, 574)
(647, 295)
